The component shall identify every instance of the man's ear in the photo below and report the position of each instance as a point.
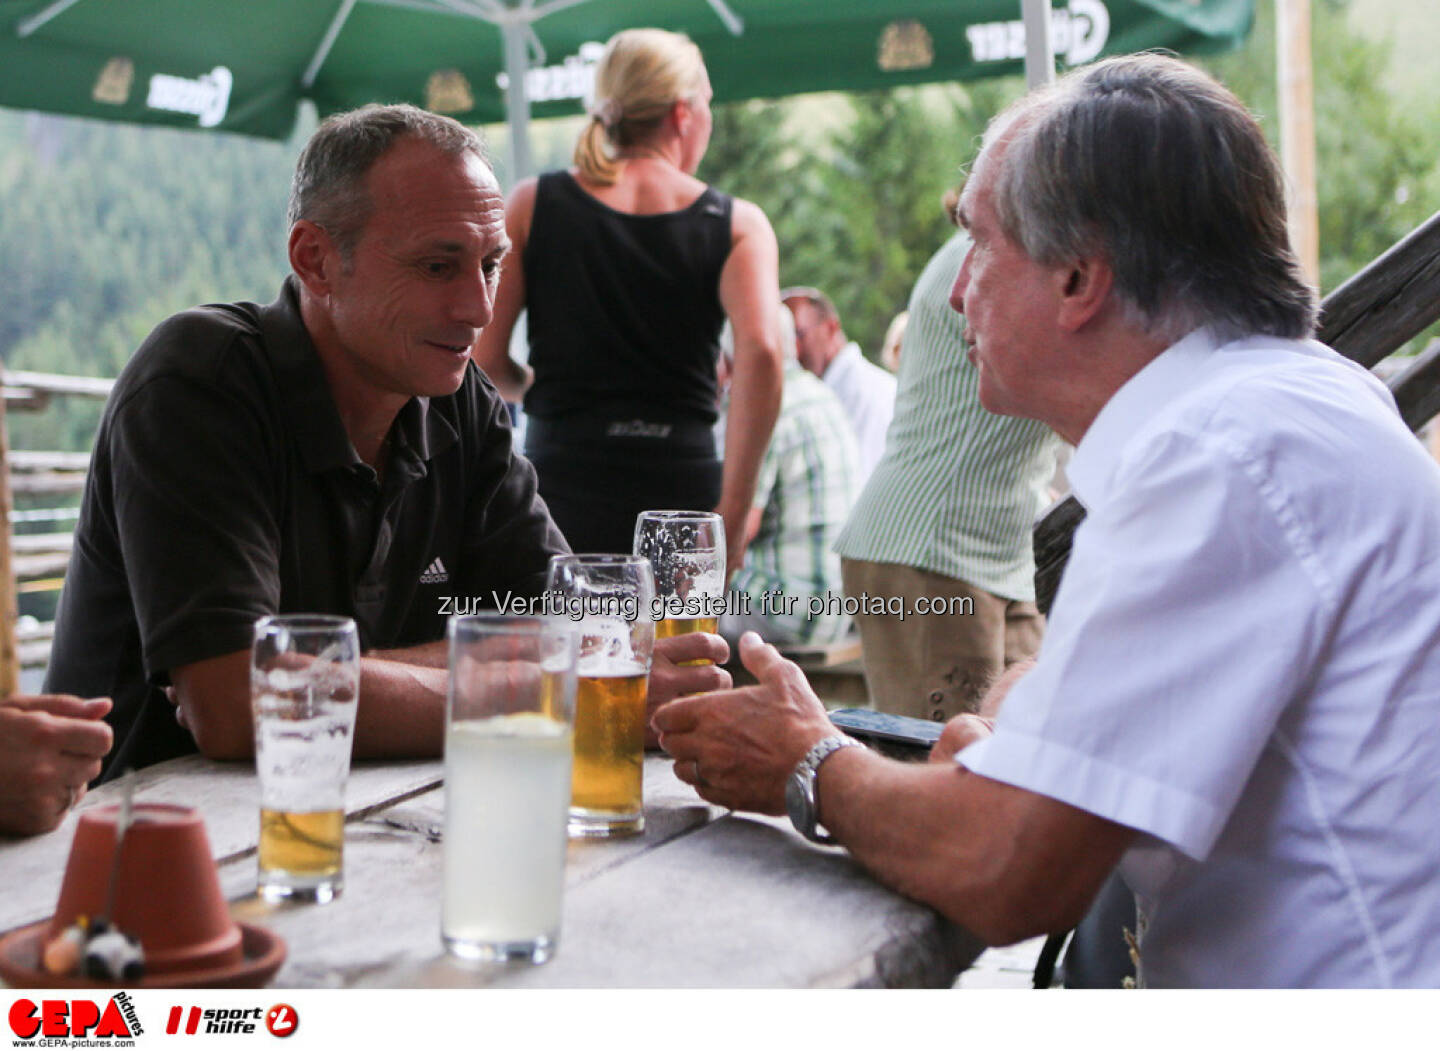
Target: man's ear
(314, 257)
(1084, 290)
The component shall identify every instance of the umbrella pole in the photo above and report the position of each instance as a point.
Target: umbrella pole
(517, 103)
(1039, 43)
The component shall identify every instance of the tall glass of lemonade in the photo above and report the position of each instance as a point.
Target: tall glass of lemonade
(508, 745)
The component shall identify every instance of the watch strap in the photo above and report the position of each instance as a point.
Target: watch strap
(809, 769)
(823, 749)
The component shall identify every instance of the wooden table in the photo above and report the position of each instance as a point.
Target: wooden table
(704, 898)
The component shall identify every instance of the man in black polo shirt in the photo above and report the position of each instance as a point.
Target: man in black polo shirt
(332, 452)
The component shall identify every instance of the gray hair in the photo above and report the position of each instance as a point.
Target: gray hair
(1159, 168)
(329, 184)
(822, 304)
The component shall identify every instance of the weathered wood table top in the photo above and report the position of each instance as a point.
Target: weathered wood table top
(704, 898)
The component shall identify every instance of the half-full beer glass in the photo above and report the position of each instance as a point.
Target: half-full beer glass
(304, 684)
(509, 713)
(609, 597)
(686, 550)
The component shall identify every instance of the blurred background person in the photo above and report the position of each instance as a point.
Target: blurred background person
(894, 335)
(628, 266)
(50, 748)
(947, 515)
(807, 483)
(865, 389)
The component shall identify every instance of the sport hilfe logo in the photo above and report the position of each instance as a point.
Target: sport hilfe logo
(280, 1020)
(71, 1018)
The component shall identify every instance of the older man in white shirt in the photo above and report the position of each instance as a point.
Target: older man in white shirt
(865, 389)
(1237, 704)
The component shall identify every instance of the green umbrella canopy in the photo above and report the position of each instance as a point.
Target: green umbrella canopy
(244, 65)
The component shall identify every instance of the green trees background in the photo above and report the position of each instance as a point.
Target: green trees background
(106, 229)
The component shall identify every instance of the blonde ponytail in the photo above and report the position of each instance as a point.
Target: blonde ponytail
(592, 157)
(642, 73)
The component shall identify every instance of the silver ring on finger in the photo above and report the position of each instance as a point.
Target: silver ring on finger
(699, 779)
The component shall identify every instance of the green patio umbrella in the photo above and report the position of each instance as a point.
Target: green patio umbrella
(245, 66)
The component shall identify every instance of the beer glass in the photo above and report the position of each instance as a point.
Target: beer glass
(509, 713)
(609, 597)
(304, 684)
(686, 550)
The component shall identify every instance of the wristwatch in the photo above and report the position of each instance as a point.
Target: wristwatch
(800, 801)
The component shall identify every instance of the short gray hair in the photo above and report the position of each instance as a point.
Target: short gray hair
(822, 304)
(1159, 168)
(329, 185)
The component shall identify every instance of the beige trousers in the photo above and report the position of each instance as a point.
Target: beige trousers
(936, 665)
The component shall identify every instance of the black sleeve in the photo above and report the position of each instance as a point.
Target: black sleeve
(509, 535)
(195, 510)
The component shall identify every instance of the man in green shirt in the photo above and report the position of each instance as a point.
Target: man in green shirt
(944, 523)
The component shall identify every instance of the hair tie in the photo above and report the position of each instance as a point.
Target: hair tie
(608, 113)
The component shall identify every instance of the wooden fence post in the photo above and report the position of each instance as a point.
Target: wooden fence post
(9, 651)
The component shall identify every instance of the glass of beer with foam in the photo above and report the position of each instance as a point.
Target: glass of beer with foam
(609, 598)
(304, 684)
(686, 551)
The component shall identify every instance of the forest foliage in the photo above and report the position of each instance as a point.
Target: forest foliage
(106, 229)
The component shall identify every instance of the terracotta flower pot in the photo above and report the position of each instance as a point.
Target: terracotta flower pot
(167, 890)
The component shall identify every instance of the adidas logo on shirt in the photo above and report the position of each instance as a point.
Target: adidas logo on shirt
(434, 573)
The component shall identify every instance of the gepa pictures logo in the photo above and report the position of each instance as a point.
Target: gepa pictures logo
(62, 1019)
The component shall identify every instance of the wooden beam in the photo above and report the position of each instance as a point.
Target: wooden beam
(1392, 300)
(39, 566)
(9, 653)
(1417, 388)
(41, 543)
(54, 383)
(47, 483)
(27, 460)
(25, 399)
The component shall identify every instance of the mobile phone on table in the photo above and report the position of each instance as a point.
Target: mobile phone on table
(899, 736)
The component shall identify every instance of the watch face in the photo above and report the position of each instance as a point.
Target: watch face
(797, 804)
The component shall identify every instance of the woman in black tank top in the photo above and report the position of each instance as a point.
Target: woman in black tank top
(628, 267)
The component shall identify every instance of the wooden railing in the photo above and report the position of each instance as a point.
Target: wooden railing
(1367, 319)
(33, 557)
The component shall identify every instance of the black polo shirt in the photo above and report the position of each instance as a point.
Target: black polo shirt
(223, 487)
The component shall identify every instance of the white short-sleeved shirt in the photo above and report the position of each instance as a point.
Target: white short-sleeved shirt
(868, 393)
(1243, 664)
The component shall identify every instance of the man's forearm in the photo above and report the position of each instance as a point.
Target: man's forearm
(401, 707)
(428, 654)
(1004, 863)
(1000, 860)
(402, 710)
